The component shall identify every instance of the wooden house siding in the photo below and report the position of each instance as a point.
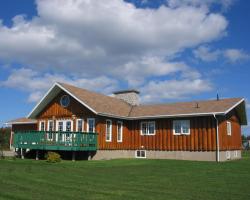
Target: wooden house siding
(233, 141)
(202, 136)
(202, 130)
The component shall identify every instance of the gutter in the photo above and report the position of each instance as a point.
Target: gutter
(217, 139)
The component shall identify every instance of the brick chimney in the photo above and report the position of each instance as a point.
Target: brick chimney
(129, 96)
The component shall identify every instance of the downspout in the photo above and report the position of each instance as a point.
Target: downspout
(217, 140)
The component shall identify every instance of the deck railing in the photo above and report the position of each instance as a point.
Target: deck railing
(66, 141)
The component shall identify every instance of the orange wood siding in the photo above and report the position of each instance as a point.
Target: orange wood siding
(201, 138)
(233, 141)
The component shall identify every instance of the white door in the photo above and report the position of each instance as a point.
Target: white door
(64, 126)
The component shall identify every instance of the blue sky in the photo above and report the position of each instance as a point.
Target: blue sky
(170, 50)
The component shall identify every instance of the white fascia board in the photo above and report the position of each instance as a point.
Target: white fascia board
(64, 89)
(234, 106)
(41, 100)
(162, 116)
(13, 123)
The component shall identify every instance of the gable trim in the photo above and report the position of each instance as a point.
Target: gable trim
(65, 90)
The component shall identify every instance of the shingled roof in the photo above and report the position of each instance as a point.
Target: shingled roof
(110, 106)
(22, 120)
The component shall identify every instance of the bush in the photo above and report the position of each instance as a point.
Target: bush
(53, 157)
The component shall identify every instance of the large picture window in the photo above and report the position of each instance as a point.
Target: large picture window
(181, 127)
(108, 130)
(148, 128)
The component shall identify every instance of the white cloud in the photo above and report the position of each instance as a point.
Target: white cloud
(37, 84)
(235, 55)
(205, 53)
(173, 89)
(103, 43)
(225, 4)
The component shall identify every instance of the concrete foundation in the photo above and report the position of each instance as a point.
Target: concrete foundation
(177, 155)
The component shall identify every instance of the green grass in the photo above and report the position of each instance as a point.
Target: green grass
(125, 179)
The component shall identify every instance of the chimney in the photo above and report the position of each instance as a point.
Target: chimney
(129, 96)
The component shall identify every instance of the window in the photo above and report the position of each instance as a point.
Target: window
(91, 125)
(119, 131)
(60, 126)
(50, 129)
(79, 127)
(181, 127)
(228, 156)
(42, 126)
(229, 128)
(108, 130)
(68, 126)
(235, 153)
(148, 128)
(65, 100)
(50, 125)
(140, 154)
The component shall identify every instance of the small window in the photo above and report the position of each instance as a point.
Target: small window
(108, 130)
(64, 101)
(119, 131)
(91, 125)
(229, 128)
(181, 127)
(235, 154)
(148, 128)
(79, 127)
(140, 154)
(228, 156)
(42, 126)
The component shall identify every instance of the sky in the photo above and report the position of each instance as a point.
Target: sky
(169, 50)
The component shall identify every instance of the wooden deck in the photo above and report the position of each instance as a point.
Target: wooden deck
(64, 141)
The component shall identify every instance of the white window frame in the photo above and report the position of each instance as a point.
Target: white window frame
(40, 125)
(147, 127)
(121, 134)
(181, 122)
(110, 140)
(53, 128)
(65, 124)
(48, 125)
(77, 121)
(88, 119)
(229, 128)
(145, 153)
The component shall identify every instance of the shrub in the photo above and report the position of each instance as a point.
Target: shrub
(53, 157)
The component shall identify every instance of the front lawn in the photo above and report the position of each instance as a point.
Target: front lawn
(125, 179)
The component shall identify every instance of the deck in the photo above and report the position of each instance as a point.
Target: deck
(64, 141)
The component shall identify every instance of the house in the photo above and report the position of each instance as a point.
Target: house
(72, 119)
